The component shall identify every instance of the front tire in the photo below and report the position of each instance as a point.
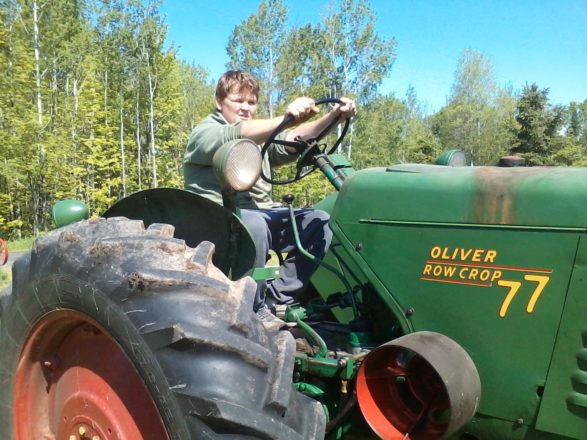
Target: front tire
(120, 332)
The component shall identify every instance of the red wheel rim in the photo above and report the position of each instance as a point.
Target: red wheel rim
(74, 382)
(3, 252)
(402, 396)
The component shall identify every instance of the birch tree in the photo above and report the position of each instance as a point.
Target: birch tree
(478, 117)
(359, 58)
(255, 45)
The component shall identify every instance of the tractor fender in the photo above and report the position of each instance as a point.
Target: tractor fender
(196, 219)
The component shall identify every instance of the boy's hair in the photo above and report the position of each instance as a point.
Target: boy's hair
(236, 81)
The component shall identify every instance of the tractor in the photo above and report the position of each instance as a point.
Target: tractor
(452, 304)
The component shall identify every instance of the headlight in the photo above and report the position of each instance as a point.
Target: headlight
(238, 164)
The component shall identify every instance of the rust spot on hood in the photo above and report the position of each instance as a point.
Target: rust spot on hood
(494, 194)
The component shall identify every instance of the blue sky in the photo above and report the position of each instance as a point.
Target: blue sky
(541, 41)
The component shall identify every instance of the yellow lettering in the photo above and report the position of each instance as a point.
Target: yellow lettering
(427, 269)
(437, 271)
(477, 255)
(496, 275)
(473, 274)
(465, 254)
(490, 257)
(484, 275)
(463, 273)
(514, 286)
(445, 255)
(542, 282)
(449, 271)
(462, 254)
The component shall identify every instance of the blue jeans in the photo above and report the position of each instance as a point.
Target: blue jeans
(271, 229)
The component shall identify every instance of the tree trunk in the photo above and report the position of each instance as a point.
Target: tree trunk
(152, 129)
(37, 55)
(74, 140)
(122, 154)
(270, 83)
(138, 139)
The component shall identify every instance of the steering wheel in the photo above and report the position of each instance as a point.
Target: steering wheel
(308, 148)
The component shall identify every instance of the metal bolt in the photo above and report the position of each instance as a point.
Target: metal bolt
(359, 246)
(410, 311)
(343, 387)
(72, 437)
(519, 421)
(95, 437)
(81, 430)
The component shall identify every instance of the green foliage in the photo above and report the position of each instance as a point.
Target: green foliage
(93, 107)
(307, 191)
(309, 74)
(577, 125)
(14, 246)
(378, 133)
(389, 130)
(478, 118)
(5, 278)
(358, 58)
(256, 46)
(90, 108)
(23, 244)
(538, 137)
(342, 55)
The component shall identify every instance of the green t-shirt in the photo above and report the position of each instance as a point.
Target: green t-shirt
(205, 139)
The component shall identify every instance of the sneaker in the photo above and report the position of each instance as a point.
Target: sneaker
(269, 320)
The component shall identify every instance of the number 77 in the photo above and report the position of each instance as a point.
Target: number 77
(514, 286)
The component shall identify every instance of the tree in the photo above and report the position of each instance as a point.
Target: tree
(378, 133)
(539, 126)
(359, 58)
(478, 116)
(389, 130)
(577, 123)
(309, 74)
(256, 46)
(343, 55)
(114, 37)
(79, 82)
(419, 144)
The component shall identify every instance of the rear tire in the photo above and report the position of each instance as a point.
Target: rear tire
(152, 321)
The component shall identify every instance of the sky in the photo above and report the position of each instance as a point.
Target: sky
(527, 41)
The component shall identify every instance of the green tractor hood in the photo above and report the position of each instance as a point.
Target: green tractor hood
(525, 197)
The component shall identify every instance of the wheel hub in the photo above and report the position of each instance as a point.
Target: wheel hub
(83, 431)
(75, 382)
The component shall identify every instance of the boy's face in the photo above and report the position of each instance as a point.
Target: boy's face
(238, 105)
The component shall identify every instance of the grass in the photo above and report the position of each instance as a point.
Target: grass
(5, 278)
(23, 244)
